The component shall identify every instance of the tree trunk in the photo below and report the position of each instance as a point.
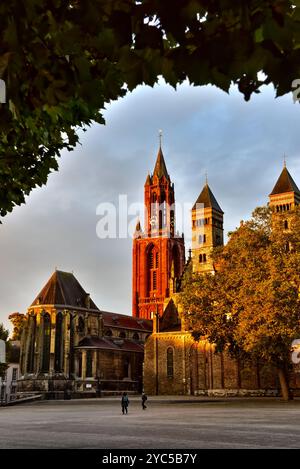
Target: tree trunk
(286, 395)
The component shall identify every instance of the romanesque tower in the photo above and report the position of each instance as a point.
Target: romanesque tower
(207, 230)
(285, 195)
(158, 251)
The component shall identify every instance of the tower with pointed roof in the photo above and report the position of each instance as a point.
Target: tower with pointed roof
(207, 230)
(158, 252)
(285, 194)
(283, 199)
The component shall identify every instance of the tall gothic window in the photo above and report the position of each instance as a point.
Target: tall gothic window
(32, 328)
(46, 343)
(126, 367)
(170, 362)
(72, 357)
(81, 325)
(152, 269)
(89, 364)
(163, 211)
(176, 261)
(153, 210)
(80, 365)
(58, 343)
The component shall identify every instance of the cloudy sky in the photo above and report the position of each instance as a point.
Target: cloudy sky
(240, 145)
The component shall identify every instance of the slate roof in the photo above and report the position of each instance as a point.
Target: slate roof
(160, 168)
(208, 199)
(285, 183)
(63, 289)
(126, 322)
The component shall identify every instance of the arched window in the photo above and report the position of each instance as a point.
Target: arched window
(170, 362)
(176, 261)
(80, 365)
(71, 354)
(81, 325)
(286, 224)
(200, 258)
(162, 211)
(58, 343)
(126, 367)
(108, 333)
(89, 364)
(122, 335)
(204, 257)
(152, 269)
(136, 336)
(46, 343)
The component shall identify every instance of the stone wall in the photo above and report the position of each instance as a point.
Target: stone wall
(197, 370)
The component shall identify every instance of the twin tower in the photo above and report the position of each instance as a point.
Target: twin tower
(159, 252)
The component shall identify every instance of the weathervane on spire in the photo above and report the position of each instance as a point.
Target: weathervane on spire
(160, 136)
(206, 178)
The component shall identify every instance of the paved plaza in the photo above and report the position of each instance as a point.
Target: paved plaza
(168, 423)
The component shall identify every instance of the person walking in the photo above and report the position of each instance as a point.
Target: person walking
(144, 398)
(124, 403)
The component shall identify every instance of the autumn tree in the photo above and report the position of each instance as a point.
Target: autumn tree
(62, 61)
(251, 306)
(18, 321)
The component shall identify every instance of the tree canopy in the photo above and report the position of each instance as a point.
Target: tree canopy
(61, 62)
(4, 333)
(251, 306)
(18, 321)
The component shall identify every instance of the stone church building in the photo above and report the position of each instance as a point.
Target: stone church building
(68, 344)
(174, 362)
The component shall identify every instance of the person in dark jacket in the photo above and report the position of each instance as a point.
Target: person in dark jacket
(144, 398)
(124, 403)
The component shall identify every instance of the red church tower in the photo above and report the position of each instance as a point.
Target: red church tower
(158, 252)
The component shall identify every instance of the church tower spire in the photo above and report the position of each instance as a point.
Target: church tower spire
(207, 229)
(157, 253)
(285, 194)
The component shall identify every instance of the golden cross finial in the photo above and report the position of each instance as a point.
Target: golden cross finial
(160, 136)
(206, 178)
(284, 160)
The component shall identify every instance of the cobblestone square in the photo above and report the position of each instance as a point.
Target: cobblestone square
(168, 422)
